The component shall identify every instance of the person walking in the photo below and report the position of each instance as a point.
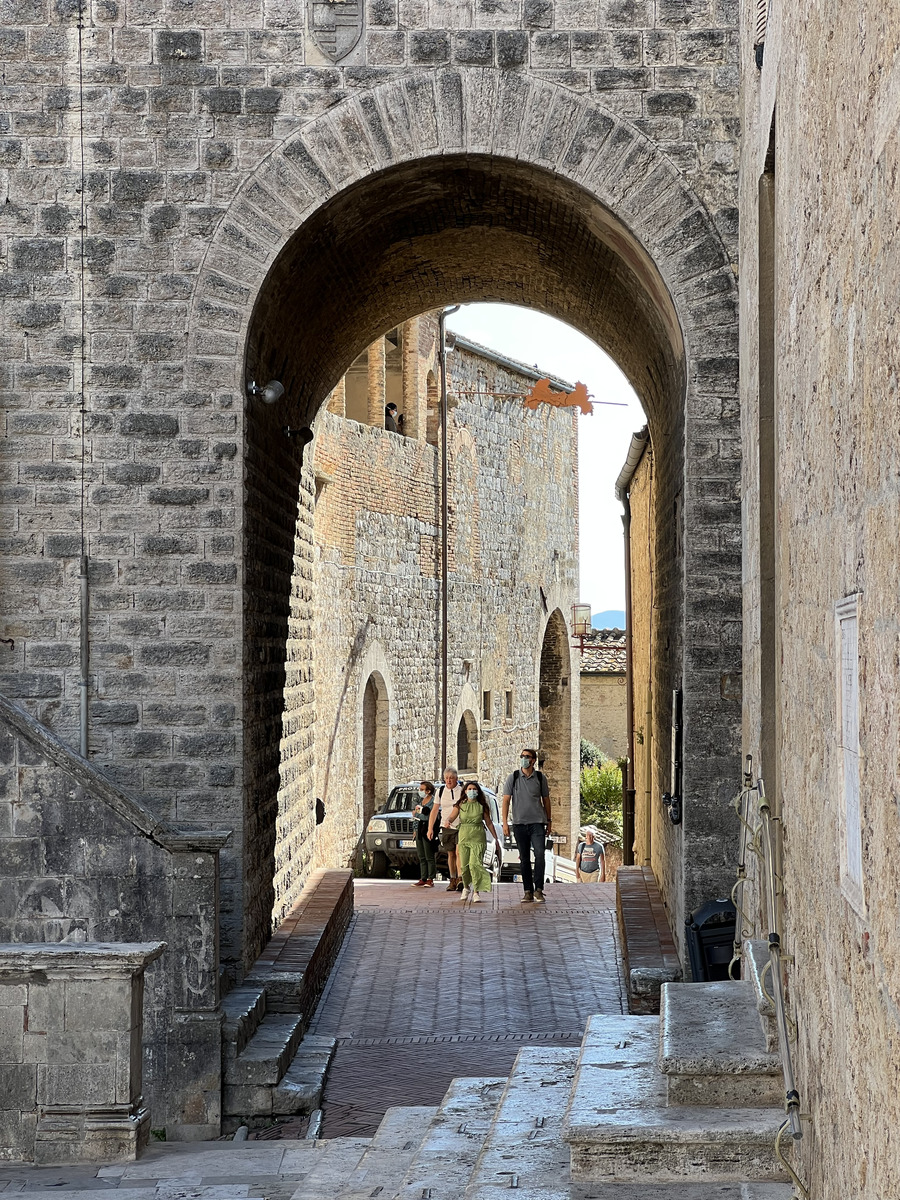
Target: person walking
(450, 792)
(590, 859)
(474, 814)
(527, 793)
(425, 844)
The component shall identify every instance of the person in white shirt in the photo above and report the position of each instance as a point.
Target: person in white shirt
(449, 794)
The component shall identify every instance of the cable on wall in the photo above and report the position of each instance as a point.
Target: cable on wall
(83, 684)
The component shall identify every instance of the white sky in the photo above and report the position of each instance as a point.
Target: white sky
(603, 437)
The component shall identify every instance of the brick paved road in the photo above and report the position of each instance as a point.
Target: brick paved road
(428, 988)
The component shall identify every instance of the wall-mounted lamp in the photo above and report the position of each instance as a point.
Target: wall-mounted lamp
(581, 623)
(304, 433)
(270, 394)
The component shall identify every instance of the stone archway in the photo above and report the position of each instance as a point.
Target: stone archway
(482, 185)
(555, 748)
(375, 745)
(467, 744)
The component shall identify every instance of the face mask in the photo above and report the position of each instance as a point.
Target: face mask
(525, 762)
(422, 795)
(472, 794)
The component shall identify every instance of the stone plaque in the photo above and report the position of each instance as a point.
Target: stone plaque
(335, 25)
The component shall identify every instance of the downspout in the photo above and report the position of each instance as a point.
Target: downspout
(85, 657)
(628, 808)
(445, 536)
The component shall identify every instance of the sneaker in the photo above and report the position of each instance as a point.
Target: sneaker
(451, 886)
(429, 883)
(467, 893)
(527, 898)
(538, 896)
(421, 883)
(476, 899)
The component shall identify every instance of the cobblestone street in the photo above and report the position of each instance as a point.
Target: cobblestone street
(428, 988)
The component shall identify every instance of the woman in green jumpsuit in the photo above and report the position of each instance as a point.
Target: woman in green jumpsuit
(474, 813)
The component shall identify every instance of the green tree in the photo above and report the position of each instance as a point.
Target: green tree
(590, 754)
(601, 796)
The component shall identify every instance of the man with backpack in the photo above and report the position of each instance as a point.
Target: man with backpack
(527, 793)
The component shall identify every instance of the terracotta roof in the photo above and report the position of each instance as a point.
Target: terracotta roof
(604, 652)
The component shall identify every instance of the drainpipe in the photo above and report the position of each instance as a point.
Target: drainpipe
(628, 810)
(445, 537)
(85, 656)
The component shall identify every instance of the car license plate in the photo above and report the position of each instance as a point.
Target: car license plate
(407, 845)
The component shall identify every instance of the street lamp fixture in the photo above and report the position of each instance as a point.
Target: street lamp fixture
(581, 623)
(270, 394)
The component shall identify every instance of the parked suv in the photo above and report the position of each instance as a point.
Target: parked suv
(391, 834)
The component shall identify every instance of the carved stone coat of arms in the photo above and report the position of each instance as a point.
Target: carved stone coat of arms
(335, 25)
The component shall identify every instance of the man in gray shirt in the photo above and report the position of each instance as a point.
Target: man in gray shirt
(526, 790)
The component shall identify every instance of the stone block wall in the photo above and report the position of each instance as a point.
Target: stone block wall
(377, 586)
(825, 344)
(81, 861)
(603, 712)
(195, 177)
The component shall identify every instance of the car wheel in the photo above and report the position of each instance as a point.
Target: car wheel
(378, 864)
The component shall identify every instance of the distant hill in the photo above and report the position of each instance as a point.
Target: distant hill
(613, 618)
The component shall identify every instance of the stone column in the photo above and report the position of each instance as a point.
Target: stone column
(337, 401)
(376, 383)
(194, 1039)
(413, 395)
(71, 1024)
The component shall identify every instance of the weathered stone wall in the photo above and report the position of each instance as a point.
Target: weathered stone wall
(836, 243)
(80, 861)
(603, 712)
(512, 532)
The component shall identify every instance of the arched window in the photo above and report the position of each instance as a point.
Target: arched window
(433, 414)
(375, 745)
(467, 743)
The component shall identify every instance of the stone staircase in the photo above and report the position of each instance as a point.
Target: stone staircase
(685, 1106)
(270, 1069)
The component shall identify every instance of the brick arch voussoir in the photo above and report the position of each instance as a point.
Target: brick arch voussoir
(498, 113)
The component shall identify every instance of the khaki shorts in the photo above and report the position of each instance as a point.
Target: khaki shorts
(449, 839)
(590, 876)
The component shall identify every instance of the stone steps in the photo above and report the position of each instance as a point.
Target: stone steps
(357, 1169)
(300, 1089)
(620, 1127)
(523, 1150)
(443, 1163)
(712, 1048)
(335, 1162)
(244, 1009)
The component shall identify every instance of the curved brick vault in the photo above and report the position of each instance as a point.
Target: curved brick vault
(450, 186)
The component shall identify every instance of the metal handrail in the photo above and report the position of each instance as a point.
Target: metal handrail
(770, 895)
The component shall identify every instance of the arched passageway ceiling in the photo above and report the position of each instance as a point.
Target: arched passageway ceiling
(456, 186)
(450, 230)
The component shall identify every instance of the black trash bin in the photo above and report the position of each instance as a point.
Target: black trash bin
(710, 938)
